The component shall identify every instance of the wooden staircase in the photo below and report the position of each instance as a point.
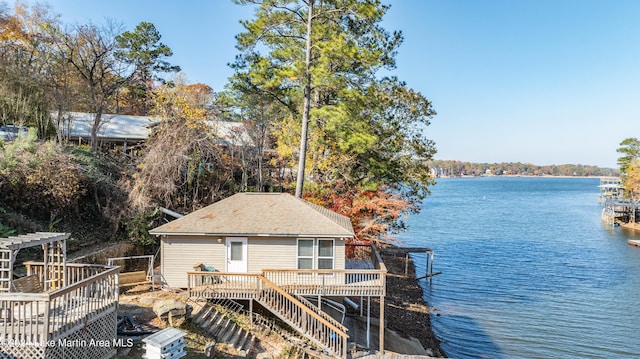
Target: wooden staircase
(222, 327)
(306, 318)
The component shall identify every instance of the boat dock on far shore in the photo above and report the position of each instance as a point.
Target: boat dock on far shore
(617, 208)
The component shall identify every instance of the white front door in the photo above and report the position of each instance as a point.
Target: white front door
(236, 255)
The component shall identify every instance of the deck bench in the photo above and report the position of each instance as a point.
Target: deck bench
(130, 279)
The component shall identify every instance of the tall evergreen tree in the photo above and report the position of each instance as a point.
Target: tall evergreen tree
(143, 50)
(321, 61)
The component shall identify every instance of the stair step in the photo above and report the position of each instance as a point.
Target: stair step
(242, 339)
(203, 315)
(230, 333)
(221, 327)
(196, 310)
(247, 346)
(211, 325)
(213, 317)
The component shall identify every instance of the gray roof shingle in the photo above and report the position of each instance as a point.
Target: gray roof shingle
(261, 214)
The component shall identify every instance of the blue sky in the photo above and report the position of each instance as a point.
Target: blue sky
(539, 81)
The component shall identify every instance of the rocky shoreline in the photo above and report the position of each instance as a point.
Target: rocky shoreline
(406, 312)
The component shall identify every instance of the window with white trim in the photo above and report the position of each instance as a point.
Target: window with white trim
(325, 253)
(315, 253)
(305, 253)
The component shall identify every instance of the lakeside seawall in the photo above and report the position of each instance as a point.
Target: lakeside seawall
(406, 311)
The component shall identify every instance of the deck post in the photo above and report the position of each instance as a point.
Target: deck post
(382, 324)
(46, 336)
(369, 322)
(406, 264)
(251, 314)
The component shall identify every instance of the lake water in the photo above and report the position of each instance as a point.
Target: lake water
(529, 270)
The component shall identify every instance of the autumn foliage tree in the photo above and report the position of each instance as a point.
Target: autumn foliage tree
(629, 165)
(321, 62)
(26, 63)
(632, 179)
(184, 166)
(376, 213)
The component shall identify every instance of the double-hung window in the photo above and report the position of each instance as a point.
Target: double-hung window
(316, 253)
(305, 253)
(325, 254)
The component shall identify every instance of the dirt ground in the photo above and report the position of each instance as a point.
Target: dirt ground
(137, 303)
(406, 313)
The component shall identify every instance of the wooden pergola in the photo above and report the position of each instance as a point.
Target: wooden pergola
(54, 250)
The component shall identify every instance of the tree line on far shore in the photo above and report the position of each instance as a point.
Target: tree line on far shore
(452, 168)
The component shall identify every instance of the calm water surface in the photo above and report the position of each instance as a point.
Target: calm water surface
(529, 270)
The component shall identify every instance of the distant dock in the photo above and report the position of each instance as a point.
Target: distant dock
(616, 208)
(634, 242)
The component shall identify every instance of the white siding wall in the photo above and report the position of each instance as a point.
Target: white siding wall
(339, 254)
(180, 254)
(271, 253)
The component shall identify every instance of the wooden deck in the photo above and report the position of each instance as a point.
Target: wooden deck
(84, 310)
(214, 285)
(634, 242)
(281, 291)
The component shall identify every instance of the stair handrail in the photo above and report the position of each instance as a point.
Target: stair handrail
(312, 314)
(320, 312)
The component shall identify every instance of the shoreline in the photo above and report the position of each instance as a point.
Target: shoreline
(630, 226)
(522, 176)
(406, 311)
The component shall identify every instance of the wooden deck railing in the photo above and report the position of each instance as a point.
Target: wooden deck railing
(218, 285)
(75, 272)
(70, 307)
(302, 315)
(329, 282)
(300, 282)
(315, 327)
(41, 317)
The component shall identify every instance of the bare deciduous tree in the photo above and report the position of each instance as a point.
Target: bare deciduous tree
(91, 49)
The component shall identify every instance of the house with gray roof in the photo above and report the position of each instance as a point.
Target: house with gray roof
(249, 232)
(115, 128)
(274, 249)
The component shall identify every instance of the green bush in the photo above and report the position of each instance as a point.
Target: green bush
(5, 231)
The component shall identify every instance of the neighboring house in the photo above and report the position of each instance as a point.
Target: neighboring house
(273, 248)
(122, 130)
(232, 133)
(127, 130)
